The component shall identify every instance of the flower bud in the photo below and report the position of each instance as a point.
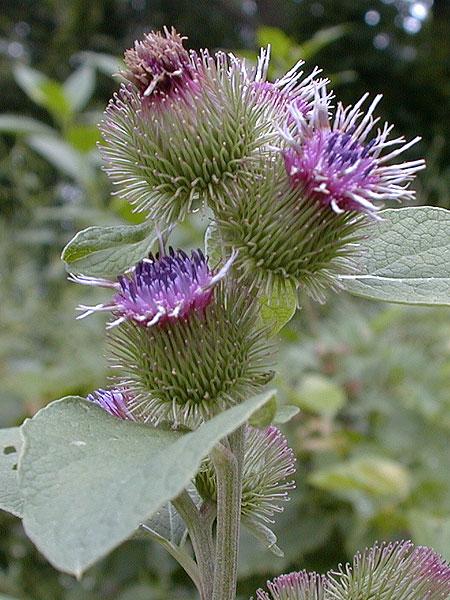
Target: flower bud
(295, 586)
(300, 222)
(394, 571)
(188, 123)
(184, 344)
(268, 465)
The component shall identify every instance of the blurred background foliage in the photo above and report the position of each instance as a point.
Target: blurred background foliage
(372, 381)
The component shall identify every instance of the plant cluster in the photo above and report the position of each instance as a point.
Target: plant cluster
(293, 188)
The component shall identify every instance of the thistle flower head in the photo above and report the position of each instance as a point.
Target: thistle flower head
(192, 368)
(114, 401)
(391, 571)
(397, 571)
(189, 123)
(184, 344)
(300, 222)
(269, 463)
(160, 289)
(159, 66)
(335, 165)
(294, 586)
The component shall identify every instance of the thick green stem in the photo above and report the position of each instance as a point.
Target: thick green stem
(228, 465)
(199, 524)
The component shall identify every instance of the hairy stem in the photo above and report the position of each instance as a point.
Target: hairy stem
(199, 524)
(228, 465)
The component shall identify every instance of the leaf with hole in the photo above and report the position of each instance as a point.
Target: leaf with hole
(10, 447)
(123, 471)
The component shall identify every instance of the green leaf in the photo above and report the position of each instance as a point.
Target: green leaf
(278, 309)
(107, 251)
(285, 413)
(321, 39)
(318, 394)
(10, 447)
(280, 43)
(430, 530)
(373, 476)
(18, 124)
(106, 63)
(63, 157)
(167, 523)
(79, 87)
(83, 138)
(266, 414)
(406, 258)
(263, 534)
(89, 480)
(44, 91)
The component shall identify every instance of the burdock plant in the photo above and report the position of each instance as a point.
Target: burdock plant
(183, 439)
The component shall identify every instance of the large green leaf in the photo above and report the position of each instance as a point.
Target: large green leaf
(406, 258)
(89, 479)
(10, 446)
(107, 251)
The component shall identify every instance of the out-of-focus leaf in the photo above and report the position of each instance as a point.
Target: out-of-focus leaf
(406, 258)
(18, 124)
(280, 43)
(285, 413)
(10, 446)
(63, 157)
(278, 309)
(318, 394)
(108, 251)
(123, 471)
(265, 415)
(83, 137)
(374, 476)
(106, 63)
(79, 86)
(432, 531)
(321, 39)
(43, 91)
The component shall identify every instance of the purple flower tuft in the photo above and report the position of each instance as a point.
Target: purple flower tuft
(432, 568)
(294, 586)
(160, 67)
(292, 90)
(333, 164)
(115, 402)
(159, 289)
